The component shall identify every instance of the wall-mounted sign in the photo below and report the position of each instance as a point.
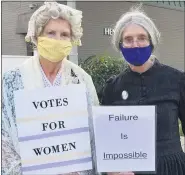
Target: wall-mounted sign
(108, 31)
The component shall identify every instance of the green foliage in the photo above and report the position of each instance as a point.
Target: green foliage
(101, 68)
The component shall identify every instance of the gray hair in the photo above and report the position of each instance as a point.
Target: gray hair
(54, 10)
(135, 16)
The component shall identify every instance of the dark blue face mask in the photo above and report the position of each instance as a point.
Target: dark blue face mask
(136, 56)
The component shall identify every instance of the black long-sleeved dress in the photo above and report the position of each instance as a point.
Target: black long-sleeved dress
(164, 87)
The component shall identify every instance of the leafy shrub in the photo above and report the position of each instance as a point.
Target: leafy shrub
(101, 68)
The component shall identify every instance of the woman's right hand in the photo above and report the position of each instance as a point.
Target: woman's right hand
(123, 173)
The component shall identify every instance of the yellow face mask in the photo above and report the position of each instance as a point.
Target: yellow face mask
(53, 50)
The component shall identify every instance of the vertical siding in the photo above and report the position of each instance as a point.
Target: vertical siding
(171, 26)
(12, 43)
(97, 15)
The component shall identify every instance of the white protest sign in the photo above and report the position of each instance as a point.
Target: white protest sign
(125, 138)
(53, 130)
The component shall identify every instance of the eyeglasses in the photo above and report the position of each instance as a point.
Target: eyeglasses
(141, 41)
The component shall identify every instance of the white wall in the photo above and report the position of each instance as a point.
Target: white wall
(11, 61)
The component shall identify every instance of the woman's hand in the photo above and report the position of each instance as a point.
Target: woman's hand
(123, 173)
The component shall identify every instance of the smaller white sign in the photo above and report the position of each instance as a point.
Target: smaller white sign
(125, 138)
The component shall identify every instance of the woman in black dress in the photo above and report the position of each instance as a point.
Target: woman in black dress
(148, 82)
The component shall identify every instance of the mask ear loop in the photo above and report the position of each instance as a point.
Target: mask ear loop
(151, 45)
(150, 41)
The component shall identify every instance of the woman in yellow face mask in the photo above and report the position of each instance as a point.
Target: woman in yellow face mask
(54, 29)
